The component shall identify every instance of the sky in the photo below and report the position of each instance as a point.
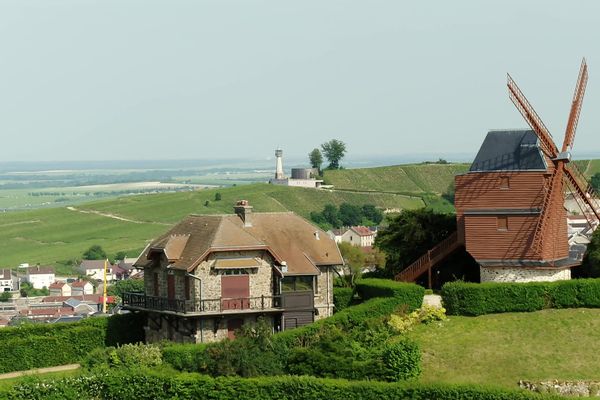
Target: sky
(175, 79)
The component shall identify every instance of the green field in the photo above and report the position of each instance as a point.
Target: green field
(501, 349)
(51, 236)
(409, 179)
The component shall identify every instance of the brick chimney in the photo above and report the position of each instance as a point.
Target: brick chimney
(244, 210)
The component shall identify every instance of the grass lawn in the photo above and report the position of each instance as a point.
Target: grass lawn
(500, 349)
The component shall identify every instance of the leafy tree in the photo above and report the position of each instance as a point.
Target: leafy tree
(217, 196)
(207, 203)
(449, 193)
(95, 252)
(334, 151)
(595, 181)
(354, 259)
(350, 215)
(590, 266)
(126, 285)
(120, 255)
(5, 297)
(370, 212)
(410, 234)
(316, 159)
(330, 214)
(27, 290)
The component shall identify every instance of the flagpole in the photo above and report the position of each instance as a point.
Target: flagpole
(104, 287)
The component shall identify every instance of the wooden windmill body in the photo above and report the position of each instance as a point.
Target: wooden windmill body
(510, 205)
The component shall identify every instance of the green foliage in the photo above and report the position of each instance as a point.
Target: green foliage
(350, 214)
(462, 298)
(95, 252)
(403, 323)
(408, 294)
(334, 150)
(218, 196)
(354, 260)
(186, 357)
(371, 213)
(37, 346)
(347, 215)
(27, 290)
(342, 297)
(595, 181)
(132, 356)
(402, 360)
(5, 297)
(125, 285)
(590, 267)
(316, 159)
(410, 234)
(161, 385)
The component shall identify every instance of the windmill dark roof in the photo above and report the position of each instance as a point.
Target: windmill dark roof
(509, 150)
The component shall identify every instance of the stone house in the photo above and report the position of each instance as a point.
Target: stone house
(40, 277)
(80, 288)
(8, 281)
(210, 274)
(60, 289)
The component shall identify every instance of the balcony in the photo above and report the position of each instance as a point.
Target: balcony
(140, 301)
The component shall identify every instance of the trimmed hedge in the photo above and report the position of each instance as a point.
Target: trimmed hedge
(38, 346)
(342, 297)
(461, 298)
(151, 385)
(407, 293)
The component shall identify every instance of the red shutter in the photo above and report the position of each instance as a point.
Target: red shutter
(235, 292)
(187, 288)
(171, 286)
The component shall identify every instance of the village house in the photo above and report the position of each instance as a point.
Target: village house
(60, 289)
(40, 277)
(95, 269)
(210, 274)
(79, 288)
(127, 265)
(8, 281)
(359, 236)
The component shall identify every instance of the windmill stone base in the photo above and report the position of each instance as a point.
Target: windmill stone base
(508, 274)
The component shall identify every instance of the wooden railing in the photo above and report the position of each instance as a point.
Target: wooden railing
(208, 306)
(430, 259)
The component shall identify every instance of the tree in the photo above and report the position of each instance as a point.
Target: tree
(590, 266)
(217, 196)
(316, 159)
(95, 252)
(409, 236)
(595, 181)
(354, 259)
(127, 285)
(350, 215)
(120, 256)
(372, 214)
(330, 213)
(5, 297)
(334, 151)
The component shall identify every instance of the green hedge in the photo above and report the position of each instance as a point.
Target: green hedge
(149, 385)
(408, 293)
(342, 297)
(46, 345)
(461, 298)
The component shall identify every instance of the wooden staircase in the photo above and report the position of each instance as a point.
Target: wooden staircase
(430, 259)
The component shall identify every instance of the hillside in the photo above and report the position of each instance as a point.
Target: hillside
(409, 179)
(50, 236)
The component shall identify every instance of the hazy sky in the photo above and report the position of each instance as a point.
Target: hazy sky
(93, 80)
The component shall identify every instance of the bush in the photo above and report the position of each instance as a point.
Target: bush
(342, 297)
(37, 346)
(402, 360)
(407, 293)
(462, 298)
(186, 357)
(152, 385)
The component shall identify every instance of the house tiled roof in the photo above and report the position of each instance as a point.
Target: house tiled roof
(94, 264)
(37, 270)
(87, 298)
(57, 285)
(79, 284)
(286, 236)
(362, 230)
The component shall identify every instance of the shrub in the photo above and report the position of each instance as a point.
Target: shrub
(152, 385)
(186, 357)
(462, 298)
(402, 323)
(136, 355)
(37, 346)
(402, 360)
(342, 297)
(408, 293)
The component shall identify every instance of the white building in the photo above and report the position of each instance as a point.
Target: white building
(60, 289)
(40, 277)
(301, 177)
(80, 288)
(95, 269)
(359, 236)
(8, 281)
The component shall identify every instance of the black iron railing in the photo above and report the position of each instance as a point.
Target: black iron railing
(140, 300)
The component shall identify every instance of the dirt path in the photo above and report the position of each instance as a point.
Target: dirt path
(36, 371)
(113, 216)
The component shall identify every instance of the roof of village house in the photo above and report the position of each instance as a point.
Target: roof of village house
(509, 150)
(6, 274)
(37, 270)
(87, 298)
(57, 285)
(94, 264)
(362, 230)
(285, 235)
(80, 284)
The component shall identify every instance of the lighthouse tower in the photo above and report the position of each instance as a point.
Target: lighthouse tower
(279, 165)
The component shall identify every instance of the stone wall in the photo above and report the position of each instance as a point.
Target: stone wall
(215, 329)
(491, 274)
(564, 388)
(324, 293)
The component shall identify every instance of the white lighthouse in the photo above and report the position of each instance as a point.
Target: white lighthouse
(279, 165)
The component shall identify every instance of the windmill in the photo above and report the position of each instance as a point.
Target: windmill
(510, 205)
